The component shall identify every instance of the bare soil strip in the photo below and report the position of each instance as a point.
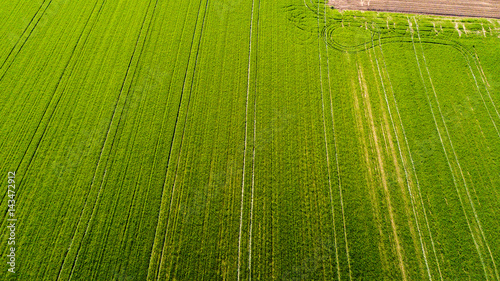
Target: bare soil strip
(456, 8)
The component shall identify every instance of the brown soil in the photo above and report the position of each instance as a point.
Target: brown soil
(457, 8)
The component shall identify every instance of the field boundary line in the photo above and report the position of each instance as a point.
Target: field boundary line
(445, 152)
(412, 163)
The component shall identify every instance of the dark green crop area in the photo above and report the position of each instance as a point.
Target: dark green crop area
(248, 140)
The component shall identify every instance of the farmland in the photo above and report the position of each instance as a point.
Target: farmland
(248, 140)
(464, 8)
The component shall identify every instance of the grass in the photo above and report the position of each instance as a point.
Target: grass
(238, 140)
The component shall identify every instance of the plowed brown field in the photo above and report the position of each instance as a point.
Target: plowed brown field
(460, 8)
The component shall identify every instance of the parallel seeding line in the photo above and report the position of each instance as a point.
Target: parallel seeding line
(404, 167)
(337, 153)
(326, 151)
(186, 117)
(53, 97)
(162, 210)
(482, 98)
(53, 111)
(412, 164)
(246, 135)
(100, 157)
(253, 152)
(114, 137)
(133, 141)
(20, 37)
(458, 163)
(73, 142)
(446, 153)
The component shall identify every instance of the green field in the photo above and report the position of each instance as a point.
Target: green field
(247, 140)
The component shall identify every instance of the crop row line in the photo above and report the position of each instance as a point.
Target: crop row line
(326, 151)
(482, 98)
(446, 153)
(20, 37)
(253, 152)
(336, 152)
(245, 154)
(125, 79)
(412, 199)
(158, 271)
(412, 162)
(456, 159)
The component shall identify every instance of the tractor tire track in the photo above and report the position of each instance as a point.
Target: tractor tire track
(158, 270)
(164, 117)
(413, 166)
(51, 114)
(245, 149)
(254, 143)
(482, 98)
(337, 153)
(129, 158)
(399, 248)
(446, 154)
(370, 179)
(457, 161)
(19, 39)
(327, 152)
(104, 143)
(407, 179)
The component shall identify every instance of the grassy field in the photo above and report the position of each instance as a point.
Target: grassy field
(248, 140)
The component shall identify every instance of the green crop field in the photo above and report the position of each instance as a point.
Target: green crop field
(247, 140)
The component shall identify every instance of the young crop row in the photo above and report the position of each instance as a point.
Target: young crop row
(245, 140)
